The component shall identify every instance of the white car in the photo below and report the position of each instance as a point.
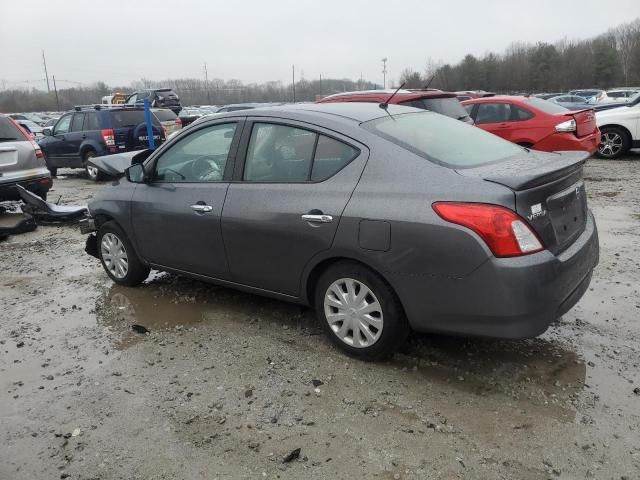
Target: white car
(621, 95)
(619, 128)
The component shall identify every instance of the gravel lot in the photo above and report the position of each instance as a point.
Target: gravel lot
(228, 384)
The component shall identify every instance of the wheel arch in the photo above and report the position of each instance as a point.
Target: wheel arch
(619, 126)
(319, 267)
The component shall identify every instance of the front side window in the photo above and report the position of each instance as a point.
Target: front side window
(199, 157)
(77, 122)
(63, 125)
(437, 139)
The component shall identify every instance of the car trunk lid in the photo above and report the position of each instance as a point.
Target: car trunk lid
(585, 121)
(549, 192)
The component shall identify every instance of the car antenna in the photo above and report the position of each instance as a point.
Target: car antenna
(385, 104)
(426, 87)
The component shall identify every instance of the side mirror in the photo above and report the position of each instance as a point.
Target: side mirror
(135, 173)
(47, 131)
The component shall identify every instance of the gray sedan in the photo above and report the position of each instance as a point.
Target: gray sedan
(382, 218)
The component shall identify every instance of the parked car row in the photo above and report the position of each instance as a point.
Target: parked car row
(96, 130)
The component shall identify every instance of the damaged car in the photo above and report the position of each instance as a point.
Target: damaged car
(382, 218)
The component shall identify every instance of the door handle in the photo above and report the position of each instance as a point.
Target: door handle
(202, 208)
(84, 136)
(317, 218)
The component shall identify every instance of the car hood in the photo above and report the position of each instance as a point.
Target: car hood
(115, 165)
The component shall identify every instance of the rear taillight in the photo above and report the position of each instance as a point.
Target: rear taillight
(109, 140)
(568, 126)
(108, 137)
(178, 123)
(504, 232)
(39, 154)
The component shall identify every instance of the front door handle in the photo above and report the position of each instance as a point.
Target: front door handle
(317, 218)
(202, 208)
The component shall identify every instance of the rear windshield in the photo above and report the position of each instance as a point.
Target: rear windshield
(448, 106)
(8, 131)
(129, 118)
(546, 106)
(443, 140)
(164, 115)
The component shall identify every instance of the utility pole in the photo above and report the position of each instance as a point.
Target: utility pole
(384, 73)
(56, 90)
(206, 83)
(46, 74)
(293, 71)
(321, 85)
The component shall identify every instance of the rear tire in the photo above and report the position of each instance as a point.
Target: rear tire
(92, 172)
(614, 143)
(360, 311)
(118, 257)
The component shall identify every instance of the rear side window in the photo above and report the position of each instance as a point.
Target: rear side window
(493, 113)
(286, 154)
(279, 153)
(437, 139)
(8, 131)
(77, 122)
(331, 155)
(92, 122)
(518, 114)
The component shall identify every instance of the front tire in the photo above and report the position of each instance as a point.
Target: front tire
(360, 312)
(92, 172)
(118, 257)
(614, 143)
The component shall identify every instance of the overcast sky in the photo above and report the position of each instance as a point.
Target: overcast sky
(257, 40)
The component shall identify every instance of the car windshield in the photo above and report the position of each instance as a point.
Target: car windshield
(8, 131)
(437, 138)
(634, 100)
(546, 106)
(448, 106)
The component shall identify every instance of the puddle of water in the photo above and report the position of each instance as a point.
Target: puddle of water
(168, 301)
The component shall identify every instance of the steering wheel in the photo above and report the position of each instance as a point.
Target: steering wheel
(205, 168)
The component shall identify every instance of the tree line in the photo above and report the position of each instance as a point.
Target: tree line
(608, 60)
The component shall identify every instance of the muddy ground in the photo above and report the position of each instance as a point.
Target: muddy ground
(228, 384)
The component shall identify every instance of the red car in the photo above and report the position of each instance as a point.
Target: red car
(535, 123)
(437, 101)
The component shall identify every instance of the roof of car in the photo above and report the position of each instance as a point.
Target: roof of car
(355, 111)
(382, 95)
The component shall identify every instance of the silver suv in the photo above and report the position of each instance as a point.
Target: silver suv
(21, 162)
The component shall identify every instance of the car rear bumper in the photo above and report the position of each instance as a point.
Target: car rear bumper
(563, 141)
(504, 297)
(38, 181)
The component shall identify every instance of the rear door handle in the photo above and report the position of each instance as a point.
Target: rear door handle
(317, 218)
(202, 208)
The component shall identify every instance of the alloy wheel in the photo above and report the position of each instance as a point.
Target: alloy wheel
(353, 312)
(114, 255)
(610, 144)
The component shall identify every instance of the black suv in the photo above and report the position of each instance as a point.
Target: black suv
(91, 131)
(158, 97)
